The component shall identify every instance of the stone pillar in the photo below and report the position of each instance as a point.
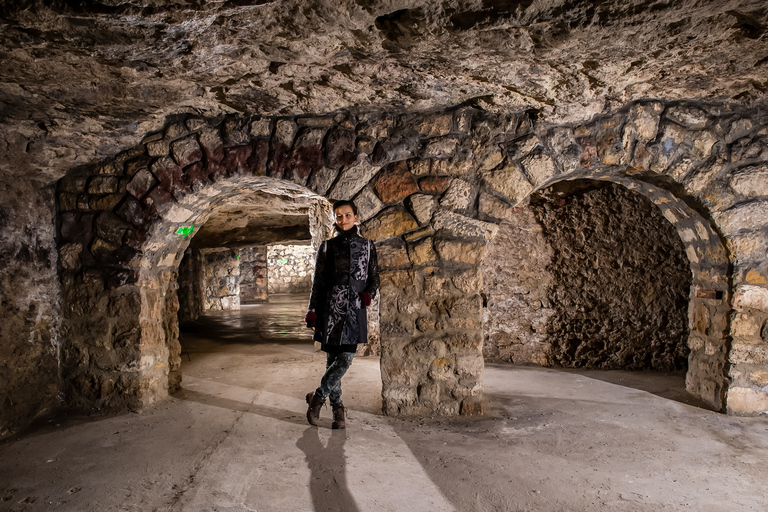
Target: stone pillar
(221, 279)
(253, 274)
(190, 289)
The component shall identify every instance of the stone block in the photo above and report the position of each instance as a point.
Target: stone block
(186, 151)
(392, 254)
(103, 185)
(212, 144)
(306, 156)
(759, 378)
(394, 183)
(748, 246)
(419, 233)
(645, 120)
(422, 206)
(259, 127)
(158, 148)
(539, 168)
(751, 297)
(510, 182)
(754, 277)
(490, 159)
(469, 282)
(368, 204)
(395, 149)
(340, 147)
(320, 180)
(462, 226)
(422, 253)
(458, 196)
(107, 202)
(353, 178)
(393, 221)
(492, 207)
(743, 217)
(688, 116)
(235, 132)
(749, 354)
(703, 143)
(110, 227)
(69, 256)
(175, 130)
(141, 183)
(420, 167)
(460, 252)
(435, 125)
(438, 184)
(750, 181)
(747, 401)
(441, 148)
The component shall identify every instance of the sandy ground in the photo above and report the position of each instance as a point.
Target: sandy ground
(235, 439)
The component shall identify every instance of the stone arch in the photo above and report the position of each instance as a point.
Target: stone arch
(432, 189)
(409, 177)
(708, 311)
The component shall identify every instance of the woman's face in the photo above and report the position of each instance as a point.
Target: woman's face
(345, 217)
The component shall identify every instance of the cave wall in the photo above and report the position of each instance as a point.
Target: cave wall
(29, 316)
(289, 268)
(620, 279)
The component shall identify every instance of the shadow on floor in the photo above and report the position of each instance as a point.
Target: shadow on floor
(669, 385)
(236, 405)
(328, 471)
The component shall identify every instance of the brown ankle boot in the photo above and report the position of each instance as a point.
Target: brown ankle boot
(339, 422)
(313, 411)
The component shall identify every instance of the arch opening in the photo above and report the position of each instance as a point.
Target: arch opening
(609, 273)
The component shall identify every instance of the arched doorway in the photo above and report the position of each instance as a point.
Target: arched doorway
(615, 274)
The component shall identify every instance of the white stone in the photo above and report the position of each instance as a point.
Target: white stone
(747, 217)
(458, 195)
(353, 179)
(747, 401)
(539, 168)
(751, 297)
(464, 226)
(422, 207)
(751, 181)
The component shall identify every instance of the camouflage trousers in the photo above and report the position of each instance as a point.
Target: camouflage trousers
(336, 365)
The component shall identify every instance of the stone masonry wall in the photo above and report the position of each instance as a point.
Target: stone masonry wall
(29, 313)
(620, 279)
(220, 279)
(253, 274)
(515, 284)
(432, 189)
(290, 268)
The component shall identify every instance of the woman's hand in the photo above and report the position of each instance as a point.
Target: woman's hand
(311, 320)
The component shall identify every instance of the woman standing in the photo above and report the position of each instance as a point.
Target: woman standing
(346, 279)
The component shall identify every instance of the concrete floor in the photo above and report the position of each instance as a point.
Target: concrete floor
(235, 439)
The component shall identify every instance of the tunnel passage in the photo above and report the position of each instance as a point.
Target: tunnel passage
(620, 279)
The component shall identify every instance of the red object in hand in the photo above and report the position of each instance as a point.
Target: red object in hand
(366, 299)
(311, 319)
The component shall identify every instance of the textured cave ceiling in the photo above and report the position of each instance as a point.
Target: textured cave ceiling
(269, 216)
(81, 80)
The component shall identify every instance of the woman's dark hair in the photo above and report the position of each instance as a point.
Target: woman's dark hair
(344, 202)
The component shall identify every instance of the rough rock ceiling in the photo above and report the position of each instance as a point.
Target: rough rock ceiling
(83, 79)
(257, 218)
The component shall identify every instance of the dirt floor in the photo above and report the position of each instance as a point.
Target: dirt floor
(236, 439)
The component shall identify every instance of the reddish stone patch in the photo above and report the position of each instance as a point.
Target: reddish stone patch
(258, 160)
(280, 162)
(437, 184)
(589, 151)
(340, 148)
(395, 183)
(305, 161)
(195, 175)
(236, 160)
